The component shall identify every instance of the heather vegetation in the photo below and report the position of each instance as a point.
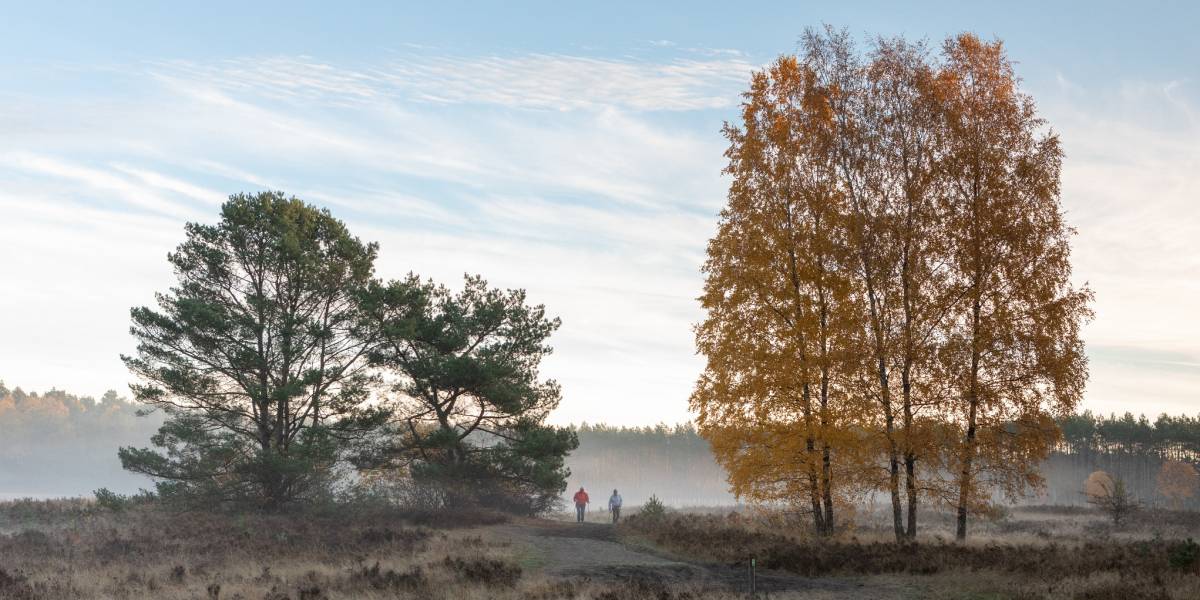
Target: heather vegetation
(1029, 553)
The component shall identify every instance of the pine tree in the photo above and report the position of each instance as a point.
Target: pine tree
(256, 355)
(470, 401)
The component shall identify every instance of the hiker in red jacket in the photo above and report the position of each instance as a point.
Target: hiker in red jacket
(581, 502)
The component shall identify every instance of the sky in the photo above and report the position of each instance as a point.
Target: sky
(570, 149)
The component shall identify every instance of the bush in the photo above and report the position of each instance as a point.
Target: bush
(1111, 496)
(1123, 590)
(15, 587)
(653, 508)
(25, 511)
(487, 571)
(111, 501)
(725, 540)
(1185, 555)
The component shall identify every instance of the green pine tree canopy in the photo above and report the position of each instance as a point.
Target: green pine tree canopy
(270, 355)
(473, 406)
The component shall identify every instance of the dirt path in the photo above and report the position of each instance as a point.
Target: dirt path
(592, 551)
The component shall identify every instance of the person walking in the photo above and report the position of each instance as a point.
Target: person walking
(581, 502)
(614, 506)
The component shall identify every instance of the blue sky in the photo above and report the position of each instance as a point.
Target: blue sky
(569, 149)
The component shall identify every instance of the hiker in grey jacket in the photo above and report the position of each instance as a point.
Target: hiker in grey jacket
(614, 505)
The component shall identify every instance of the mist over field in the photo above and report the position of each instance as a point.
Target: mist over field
(59, 444)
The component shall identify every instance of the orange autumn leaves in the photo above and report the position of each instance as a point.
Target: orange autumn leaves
(888, 294)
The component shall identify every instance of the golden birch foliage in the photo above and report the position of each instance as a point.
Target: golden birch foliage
(1098, 486)
(884, 138)
(888, 293)
(1177, 481)
(1013, 350)
(775, 336)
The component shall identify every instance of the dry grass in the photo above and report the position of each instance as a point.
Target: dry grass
(1013, 557)
(71, 550)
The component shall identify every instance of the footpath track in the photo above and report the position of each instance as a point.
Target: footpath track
(593, 551)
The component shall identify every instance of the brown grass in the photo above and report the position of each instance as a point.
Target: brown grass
(1050, 566)
(70, 550)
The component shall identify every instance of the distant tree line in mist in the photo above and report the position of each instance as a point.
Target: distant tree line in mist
(675, 463)
(669, 461)
(1167, 437)
(57, 443)
(1132, 449)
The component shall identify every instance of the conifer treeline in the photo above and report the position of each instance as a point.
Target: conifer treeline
(1167, 437)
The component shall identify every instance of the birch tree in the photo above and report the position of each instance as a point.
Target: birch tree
(1013, 349)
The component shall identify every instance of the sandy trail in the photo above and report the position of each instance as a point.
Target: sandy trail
(592, 551)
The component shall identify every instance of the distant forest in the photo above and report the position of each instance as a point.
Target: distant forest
(56, 443)
(60, 444)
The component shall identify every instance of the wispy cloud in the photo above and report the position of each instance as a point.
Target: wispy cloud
(554, 173)
(536, 81)
(591, 182)
(145, 189)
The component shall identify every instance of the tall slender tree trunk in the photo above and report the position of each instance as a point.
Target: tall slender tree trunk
(894, 477)
(819, 524)
(826, 459)
(827, 487)
(893, 451)
(910, 486)
(810, 448)
(965, 478)
(885, 399)
(910, 457)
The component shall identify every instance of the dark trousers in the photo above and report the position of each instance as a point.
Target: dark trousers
(616, 511)
(579, 509)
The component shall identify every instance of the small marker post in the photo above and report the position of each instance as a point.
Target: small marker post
(752, 582)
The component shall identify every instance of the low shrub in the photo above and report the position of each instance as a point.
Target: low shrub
(653, 509)
(1123, 590)
(487, 571)
(13, 586)
(412, 580)
(1185, 555)
(733, 541)
(111, 501)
